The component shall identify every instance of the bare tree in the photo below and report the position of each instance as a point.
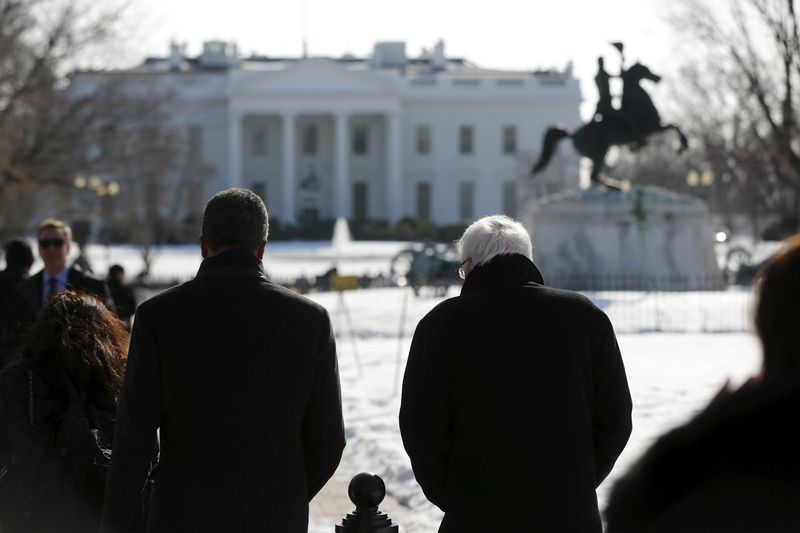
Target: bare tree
(136, 148)
(45, 131)
(62, 124)
(739, 89)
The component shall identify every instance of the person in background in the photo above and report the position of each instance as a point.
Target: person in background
(121, 293)
(54, 239)
(240, 378)
(733, 467)
(515, 402)
(57, 407)
(19, 258)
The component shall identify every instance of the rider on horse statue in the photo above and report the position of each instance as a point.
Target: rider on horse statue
(630, 125)
(605, 110)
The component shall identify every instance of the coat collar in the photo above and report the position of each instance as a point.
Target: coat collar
(502, 271)
(232, 263)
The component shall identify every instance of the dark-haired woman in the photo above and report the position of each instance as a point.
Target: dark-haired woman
(57, 406)
(736, 466)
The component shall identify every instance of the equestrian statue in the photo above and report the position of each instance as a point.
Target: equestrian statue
(629, 125)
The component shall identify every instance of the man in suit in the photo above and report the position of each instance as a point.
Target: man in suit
(515, 403)
(55, 240)
(240, 375)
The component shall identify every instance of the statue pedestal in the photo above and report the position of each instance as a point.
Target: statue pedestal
(647, 238)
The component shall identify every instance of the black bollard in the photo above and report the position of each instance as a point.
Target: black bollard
(366, 491)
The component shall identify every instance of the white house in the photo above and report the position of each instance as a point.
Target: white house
(384, 137)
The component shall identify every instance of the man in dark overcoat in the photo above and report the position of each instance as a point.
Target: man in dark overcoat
(515, 402)
(55, 241)
(241, 378)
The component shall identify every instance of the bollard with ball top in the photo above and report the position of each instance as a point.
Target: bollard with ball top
(366, 491)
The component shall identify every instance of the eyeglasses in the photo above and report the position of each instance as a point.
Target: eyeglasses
(46, 243)
(461, 273)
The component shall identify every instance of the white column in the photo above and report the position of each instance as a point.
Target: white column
(235, 149)
(394, 167)
(288, 208)
(342, 167)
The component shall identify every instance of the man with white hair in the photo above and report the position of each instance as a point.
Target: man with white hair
(515, 402)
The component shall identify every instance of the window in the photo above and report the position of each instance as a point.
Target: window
(424, 201)
(360, 140)
(465, 140)
(258, 141)
(260, 188)
(467, 197)
(195, 140)
(423, 140)
(510, 199)
(309, 216)
(310, 140)
(509, 140)
(360, 201)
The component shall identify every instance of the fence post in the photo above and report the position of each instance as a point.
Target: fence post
(366, 491)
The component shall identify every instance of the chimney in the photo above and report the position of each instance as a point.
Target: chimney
(175, 56)
(389, 55)
(438, 61)
(235, 55)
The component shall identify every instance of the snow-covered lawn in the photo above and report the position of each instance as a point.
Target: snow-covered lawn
(283, 260)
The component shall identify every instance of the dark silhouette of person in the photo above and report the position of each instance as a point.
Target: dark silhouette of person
(733, 467)
(19, 259)
(515, 402)
(240, 378)
(75, 354)
(122, 294)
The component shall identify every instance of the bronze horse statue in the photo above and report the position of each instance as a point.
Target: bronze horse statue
(636, 119)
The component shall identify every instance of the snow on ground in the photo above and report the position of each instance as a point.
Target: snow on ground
(678, 348)
(283, 260)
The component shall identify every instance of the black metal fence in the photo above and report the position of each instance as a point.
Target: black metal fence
(636, 282)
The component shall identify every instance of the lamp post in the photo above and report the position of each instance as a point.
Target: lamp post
(105, 191)
(701, 182)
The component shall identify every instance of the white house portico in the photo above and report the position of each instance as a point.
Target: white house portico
(379, 138)
(315, 180)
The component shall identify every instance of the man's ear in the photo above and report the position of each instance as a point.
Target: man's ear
(204, 251)
(260, 251)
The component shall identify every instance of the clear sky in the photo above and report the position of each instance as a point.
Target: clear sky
(515, 34)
